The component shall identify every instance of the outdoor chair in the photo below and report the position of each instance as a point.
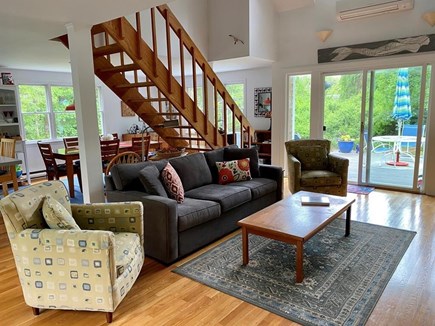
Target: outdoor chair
(54, 170)
(311, 167)
(410, 130)
(73, 257)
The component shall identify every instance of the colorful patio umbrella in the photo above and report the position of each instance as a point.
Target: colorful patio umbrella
(402, 108)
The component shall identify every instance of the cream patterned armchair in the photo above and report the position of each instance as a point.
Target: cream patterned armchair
(312, 168)
(91, 268)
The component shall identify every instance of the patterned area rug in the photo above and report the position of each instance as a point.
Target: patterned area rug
(359, 189)
(344, 277)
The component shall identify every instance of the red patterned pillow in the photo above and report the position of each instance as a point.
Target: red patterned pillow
(233, 171)
(172, 183)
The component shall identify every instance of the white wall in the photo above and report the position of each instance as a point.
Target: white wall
(262, 29)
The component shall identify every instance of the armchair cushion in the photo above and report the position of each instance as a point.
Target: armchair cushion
(57, 216)
(313, 157)
(316, 178)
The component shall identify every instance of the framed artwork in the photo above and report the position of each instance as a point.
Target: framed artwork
(126, 111)
(263, 102)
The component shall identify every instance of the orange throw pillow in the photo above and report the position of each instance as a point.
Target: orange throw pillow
(233, 171)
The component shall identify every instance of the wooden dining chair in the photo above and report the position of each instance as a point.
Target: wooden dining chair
(136, 146)
(109, 149)
(123, 158)
(71, 142)
(52, 168)
(7, 148)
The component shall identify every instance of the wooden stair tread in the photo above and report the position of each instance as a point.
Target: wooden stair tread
(107, 49)
(123, 68)
(139, 84)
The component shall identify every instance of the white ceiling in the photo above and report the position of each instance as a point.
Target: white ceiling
(27, 26)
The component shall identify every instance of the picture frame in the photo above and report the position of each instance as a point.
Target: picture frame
(263, 102)
(126, 111)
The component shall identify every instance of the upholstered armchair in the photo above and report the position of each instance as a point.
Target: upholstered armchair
(89, 262)
(311, 167)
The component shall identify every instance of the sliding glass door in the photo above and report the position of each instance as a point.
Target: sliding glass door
(376, 119)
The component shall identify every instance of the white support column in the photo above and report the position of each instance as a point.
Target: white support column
(82, 66)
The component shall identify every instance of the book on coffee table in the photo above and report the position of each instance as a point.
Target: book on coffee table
(314, 201)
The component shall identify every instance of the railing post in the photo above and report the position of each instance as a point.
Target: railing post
(154, 38)
(139, 36)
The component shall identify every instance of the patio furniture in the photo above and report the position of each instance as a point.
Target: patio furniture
(311, 167)
(77, 264)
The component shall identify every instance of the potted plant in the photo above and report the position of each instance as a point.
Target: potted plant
(18, 170)
(345, 144)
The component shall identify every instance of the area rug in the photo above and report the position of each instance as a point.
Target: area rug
(361, 190)
(344, 277)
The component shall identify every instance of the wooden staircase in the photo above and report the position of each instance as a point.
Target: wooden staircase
(144, 79)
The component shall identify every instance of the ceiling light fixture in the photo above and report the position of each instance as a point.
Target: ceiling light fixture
(324, 35)
(429, 17)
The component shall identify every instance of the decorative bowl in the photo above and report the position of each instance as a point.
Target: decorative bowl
(170, 152)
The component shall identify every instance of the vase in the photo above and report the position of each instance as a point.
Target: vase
(345, 146)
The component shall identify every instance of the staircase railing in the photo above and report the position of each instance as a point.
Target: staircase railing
(206, 105)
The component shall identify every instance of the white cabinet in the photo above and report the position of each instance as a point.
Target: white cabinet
(10, 122)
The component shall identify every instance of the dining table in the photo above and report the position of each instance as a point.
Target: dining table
(12, 175)
(69, 155)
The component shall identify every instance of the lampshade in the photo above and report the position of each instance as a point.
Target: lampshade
(71, 107)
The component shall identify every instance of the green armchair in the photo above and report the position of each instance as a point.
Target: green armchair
(311, 167)
(91, 268)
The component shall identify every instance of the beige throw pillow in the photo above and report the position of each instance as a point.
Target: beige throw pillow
(57, 216)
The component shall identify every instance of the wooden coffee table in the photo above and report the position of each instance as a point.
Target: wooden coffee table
(289, 221)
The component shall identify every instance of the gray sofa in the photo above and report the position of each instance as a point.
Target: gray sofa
(209, 210)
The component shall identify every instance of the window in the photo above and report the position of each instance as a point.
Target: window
(44, 115)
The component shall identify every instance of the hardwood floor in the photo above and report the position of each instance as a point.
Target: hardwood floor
(160, 297)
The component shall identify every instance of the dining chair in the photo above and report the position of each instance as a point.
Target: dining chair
(71, 142)
(52, 168)
(123, 158)
(109, 149)
(136, 146)
(7, 148)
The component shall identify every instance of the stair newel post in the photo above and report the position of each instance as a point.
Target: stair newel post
(138, 36)
(242, 135)
(224, 97)
(216, 116)
(205, 89)
(154, 38)
(183, 76)
(169, 52)
(195, 95)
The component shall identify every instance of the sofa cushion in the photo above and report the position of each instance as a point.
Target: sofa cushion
(233, 171)
(172, 183)
(259, 187)
(212, 157)
(193, 212)
(125, 245)
(126, 176)
(57, 216)
(193, 170)
(313, 157)
(231, 154)
(150, 178)
(227, 197)
(317, 178)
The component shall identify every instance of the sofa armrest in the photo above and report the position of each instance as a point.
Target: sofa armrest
(115, 217)
(275, 173)
(294, 173)
(161, 228)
